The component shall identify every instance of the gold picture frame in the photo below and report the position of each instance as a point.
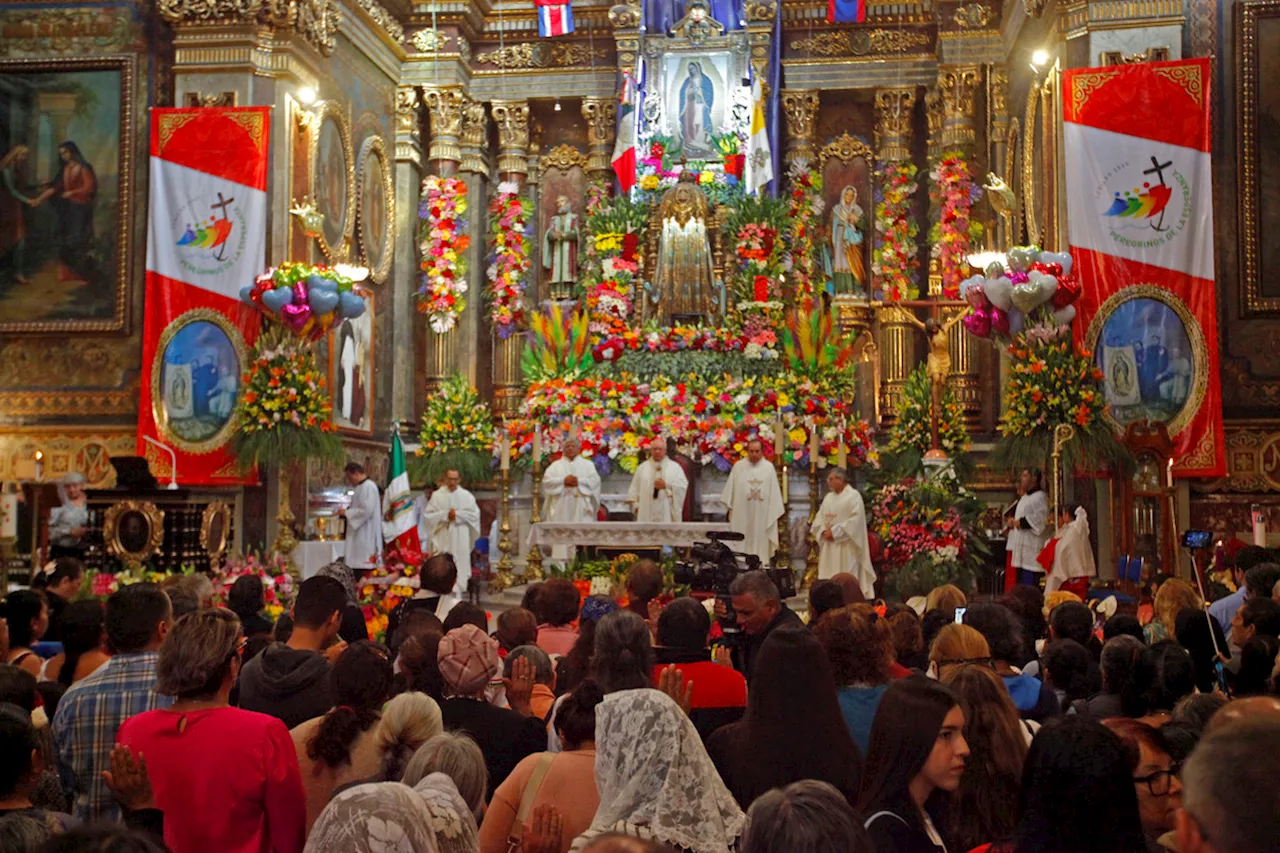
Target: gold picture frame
(167, 408)
(1257, 32)
(376, 257)
(107, 174)
(133, 530)
(215, 532)
(334, 241)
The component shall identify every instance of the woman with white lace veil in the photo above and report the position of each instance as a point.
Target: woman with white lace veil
(655, 778)
(374, 818)
(452, 821)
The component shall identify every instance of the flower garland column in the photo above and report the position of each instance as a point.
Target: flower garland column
(512, 119)
(896, 260)
(958, 231)
(444, 105)
(474, 168)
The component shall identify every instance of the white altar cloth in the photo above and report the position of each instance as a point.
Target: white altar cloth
(624, 534)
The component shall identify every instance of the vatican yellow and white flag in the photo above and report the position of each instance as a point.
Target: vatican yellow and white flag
(759, 167)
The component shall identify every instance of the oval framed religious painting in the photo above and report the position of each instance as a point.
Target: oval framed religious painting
(1151, 352)
(195, 380)
(333, 179)
(375, 207)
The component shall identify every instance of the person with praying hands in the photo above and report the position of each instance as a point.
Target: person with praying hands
(842, 534)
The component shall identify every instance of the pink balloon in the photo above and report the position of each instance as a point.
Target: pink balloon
(978, 323)
(296, 316)
(976, 296)
(999, 321)
(299, 293)
(1019, 278)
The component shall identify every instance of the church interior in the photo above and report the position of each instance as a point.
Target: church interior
(932, 244)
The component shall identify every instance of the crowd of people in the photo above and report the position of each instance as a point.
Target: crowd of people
(1013, 725)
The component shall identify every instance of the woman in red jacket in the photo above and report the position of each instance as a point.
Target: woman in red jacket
(227, 780)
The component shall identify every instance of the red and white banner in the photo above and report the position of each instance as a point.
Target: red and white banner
(1140, 219)
(206, 238)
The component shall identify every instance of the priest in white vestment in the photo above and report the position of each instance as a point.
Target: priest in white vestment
(364, 520)
(754, 500)
(658, 487)
(572, 487)
(451, 523)
(842, 534)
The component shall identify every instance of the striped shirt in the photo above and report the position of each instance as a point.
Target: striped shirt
(84, 729)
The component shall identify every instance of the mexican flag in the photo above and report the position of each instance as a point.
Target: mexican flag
(624, 150)
(402, 528)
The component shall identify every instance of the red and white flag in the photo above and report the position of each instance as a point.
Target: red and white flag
(1140, 220)
(206, 239)
(624, 149)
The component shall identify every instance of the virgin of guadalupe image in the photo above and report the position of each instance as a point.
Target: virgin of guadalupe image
(848, 270)
(695, 100)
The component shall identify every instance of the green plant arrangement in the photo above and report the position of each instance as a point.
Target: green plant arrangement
(813, 346)
(284, 414)
(457, 434)
(559, 345)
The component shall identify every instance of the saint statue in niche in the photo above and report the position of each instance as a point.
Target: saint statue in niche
(560, 249)
(848, 269)
(697, 96)
(684, 284)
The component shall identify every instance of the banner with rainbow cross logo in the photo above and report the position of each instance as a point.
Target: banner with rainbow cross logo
(1140, 223)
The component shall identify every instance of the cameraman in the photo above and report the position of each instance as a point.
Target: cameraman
(759, 610)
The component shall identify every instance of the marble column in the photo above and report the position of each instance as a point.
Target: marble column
(512, 120)
(408, 178)
(602, 118)
(444, 106)
(800, 106)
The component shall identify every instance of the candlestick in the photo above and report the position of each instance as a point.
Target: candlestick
(39, 466)
(502, 580)
(533, 560)
(815, 444)
(811, 561)
(504, 449)
(537, 446)
(782, 558)
(778, 445)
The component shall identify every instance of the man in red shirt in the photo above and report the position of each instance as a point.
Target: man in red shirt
(719, 691)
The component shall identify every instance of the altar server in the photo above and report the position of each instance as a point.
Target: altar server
(364, 519)
(572, 487)
(451, 524)
(755, 502)
(658, 487)
(842, 534)
(1028, 528)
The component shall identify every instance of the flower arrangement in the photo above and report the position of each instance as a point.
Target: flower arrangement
(284, 414)
(913, 430)
(753, 228)
(443, 242)
(457, 433)
(612, 262)
(954, 232)
(805, 206)
(509, 225)
(277, 582)
(896, 258)
(711, 423)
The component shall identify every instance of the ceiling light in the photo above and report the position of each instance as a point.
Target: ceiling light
(307, 95)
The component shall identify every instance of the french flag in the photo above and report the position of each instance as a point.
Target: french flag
(846, 11)
(554, 19)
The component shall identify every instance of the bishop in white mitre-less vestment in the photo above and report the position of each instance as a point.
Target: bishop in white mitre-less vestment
(572, 487)
(842, 534)
(364, 520)
(658, 487)
(755, 502)
(451, 523)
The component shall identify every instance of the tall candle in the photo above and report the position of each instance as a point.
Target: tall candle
(8, 515)
(537, 445)
(815, 444)
(777, 437)
(504, 447)
(1170, 473)
(573, 428)
(842, 455)
(39, 465)
(786, 492)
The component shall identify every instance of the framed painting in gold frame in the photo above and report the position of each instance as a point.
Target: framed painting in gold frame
(375, 208)
(1258, 169)
(196, 380)
(66, 158)
(352, 356)
(333, 178)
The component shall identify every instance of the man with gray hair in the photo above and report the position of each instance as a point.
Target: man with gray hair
(572, 486)
(1230, 801)
(841, 530)
(805, 817)
(658, 487)
(758, 609)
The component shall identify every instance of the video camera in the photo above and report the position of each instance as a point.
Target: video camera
(714, 566)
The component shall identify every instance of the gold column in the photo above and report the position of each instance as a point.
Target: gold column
(933, 117)
(512, 120)
(444, 107)
(897, 358)
(998, 143)
(965, 377)
(601, 115)
(800, 106)
(471, 143)
(958, 85)
(760, 15)
(894, 107)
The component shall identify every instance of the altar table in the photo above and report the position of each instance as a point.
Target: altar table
(623, 534)
(313, 555)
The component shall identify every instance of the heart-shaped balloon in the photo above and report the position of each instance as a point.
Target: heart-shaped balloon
(1064, 316)
(1027, 296)
(322, 302)
(1022, 257)
(319, 282)
(350, 305)
(1053, 269)
(977, 296)
(1018, 277)
(1000, 292)
(1048, 285)
(1061, 258)
(978, 323)
(1068, 291)
(295, 316)
(277, 298)
(999, 321)
(299, 293)
(246, 294)
(967, 288)
(1037, 267)
(995, 269)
